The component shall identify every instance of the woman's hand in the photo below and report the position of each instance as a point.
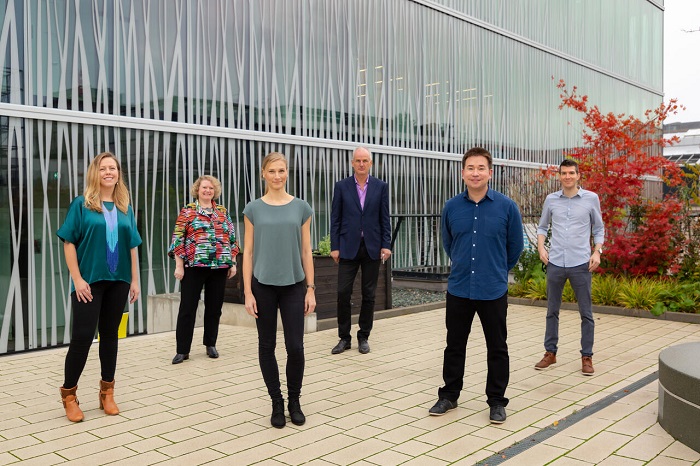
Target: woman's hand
(309, 301)
(83, 291)
(134, 291)
(251, 307)
(231, 272)
(179, 272)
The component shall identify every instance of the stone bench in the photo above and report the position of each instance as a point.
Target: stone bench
(679, 393)
(161, 315)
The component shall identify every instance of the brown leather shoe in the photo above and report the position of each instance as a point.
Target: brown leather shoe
(587, 365)
(547, 360)
(107, 398)
(70, 403)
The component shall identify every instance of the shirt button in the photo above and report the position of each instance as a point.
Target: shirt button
(472, 271)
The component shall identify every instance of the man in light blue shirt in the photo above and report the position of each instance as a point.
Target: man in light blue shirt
(482, 233)
(574, 215)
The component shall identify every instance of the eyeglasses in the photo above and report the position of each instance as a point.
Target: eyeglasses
(480, 169)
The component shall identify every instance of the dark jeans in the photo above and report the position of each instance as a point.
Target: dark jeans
(214, 283)
(290, 301)
(347, 271)
(580, 279)
(104, 312)
(458, 319)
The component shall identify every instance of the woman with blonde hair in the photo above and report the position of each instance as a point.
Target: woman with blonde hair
(204, 248)
(278, 272)
(99, 242)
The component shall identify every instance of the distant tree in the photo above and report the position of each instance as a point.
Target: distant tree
(619, 153)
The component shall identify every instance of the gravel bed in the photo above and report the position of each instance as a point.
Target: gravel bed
(403, 297)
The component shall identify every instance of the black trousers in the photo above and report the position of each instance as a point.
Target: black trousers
(459, 316)
(103, 313)
(214, 282)
(290, 301)
(347, 271)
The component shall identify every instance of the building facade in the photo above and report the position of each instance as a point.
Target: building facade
(177, 89)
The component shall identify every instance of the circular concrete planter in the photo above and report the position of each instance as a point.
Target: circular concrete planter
(679, 393)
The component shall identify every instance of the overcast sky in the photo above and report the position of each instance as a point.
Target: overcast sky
(682, 57)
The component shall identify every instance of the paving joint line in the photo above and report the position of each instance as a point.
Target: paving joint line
(568, 421)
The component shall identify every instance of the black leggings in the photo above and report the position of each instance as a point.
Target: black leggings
(290, 300)
(104, 312)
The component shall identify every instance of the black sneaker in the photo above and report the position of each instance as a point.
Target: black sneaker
(442, 406)
(497, 415)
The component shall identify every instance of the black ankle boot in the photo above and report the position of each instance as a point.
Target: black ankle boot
(278, 420)
(298, 418)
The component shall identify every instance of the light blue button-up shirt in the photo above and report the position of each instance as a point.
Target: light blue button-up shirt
(574, 220)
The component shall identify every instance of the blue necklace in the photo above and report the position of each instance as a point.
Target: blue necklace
(112, 236)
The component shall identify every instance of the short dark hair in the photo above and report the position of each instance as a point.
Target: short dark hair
(568, 163)
(474, 151)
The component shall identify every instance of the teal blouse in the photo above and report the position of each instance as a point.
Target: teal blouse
(87, 230)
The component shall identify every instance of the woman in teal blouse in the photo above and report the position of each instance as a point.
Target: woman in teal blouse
(99, 241)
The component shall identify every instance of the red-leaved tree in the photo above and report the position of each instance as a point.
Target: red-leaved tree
(619, 154)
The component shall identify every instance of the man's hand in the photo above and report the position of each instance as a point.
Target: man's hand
(544, 255)
(594, 262)
(336, 256)
(385, 254)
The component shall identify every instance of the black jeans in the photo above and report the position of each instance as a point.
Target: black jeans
(104, 312)
(290, 300)
(214, 283)
(459, 316)
(347, 270)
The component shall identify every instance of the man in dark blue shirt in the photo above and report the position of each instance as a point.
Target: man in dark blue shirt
(482, 232)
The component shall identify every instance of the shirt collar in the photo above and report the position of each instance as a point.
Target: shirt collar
(579, 193)
(199, 208)
(489, 195)
(358, 183)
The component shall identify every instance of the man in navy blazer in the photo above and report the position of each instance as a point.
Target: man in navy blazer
(360, 237)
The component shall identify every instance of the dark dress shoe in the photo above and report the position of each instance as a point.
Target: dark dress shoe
(180, 357)
(363, 346)
(211, 352)
(340, 347)
(497, 415)
(442, 406)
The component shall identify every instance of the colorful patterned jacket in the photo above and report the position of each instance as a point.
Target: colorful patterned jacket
(204, 240)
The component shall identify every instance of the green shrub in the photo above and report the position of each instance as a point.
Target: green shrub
(324, 246)
(640, 293)
(678, 297)
(605, 290)
(567, 294)
(529, 266)
(536, 288)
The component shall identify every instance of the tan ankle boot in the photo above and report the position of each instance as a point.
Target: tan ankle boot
(107, 398)
(70, 403)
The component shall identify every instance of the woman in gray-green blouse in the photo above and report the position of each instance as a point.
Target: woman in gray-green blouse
(278, 271)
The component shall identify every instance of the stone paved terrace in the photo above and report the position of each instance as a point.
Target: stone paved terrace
(361, 409)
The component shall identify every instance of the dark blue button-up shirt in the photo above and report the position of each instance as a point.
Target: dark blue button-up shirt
(484, 241)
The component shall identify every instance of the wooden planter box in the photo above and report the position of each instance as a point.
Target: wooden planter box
(326, 278)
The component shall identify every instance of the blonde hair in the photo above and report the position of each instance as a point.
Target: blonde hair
(194, 190)
(93, 199)
(270, 158)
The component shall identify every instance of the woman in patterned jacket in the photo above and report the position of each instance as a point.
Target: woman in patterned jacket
(204, 248)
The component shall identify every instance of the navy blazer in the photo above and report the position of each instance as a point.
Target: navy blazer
(348, 219)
